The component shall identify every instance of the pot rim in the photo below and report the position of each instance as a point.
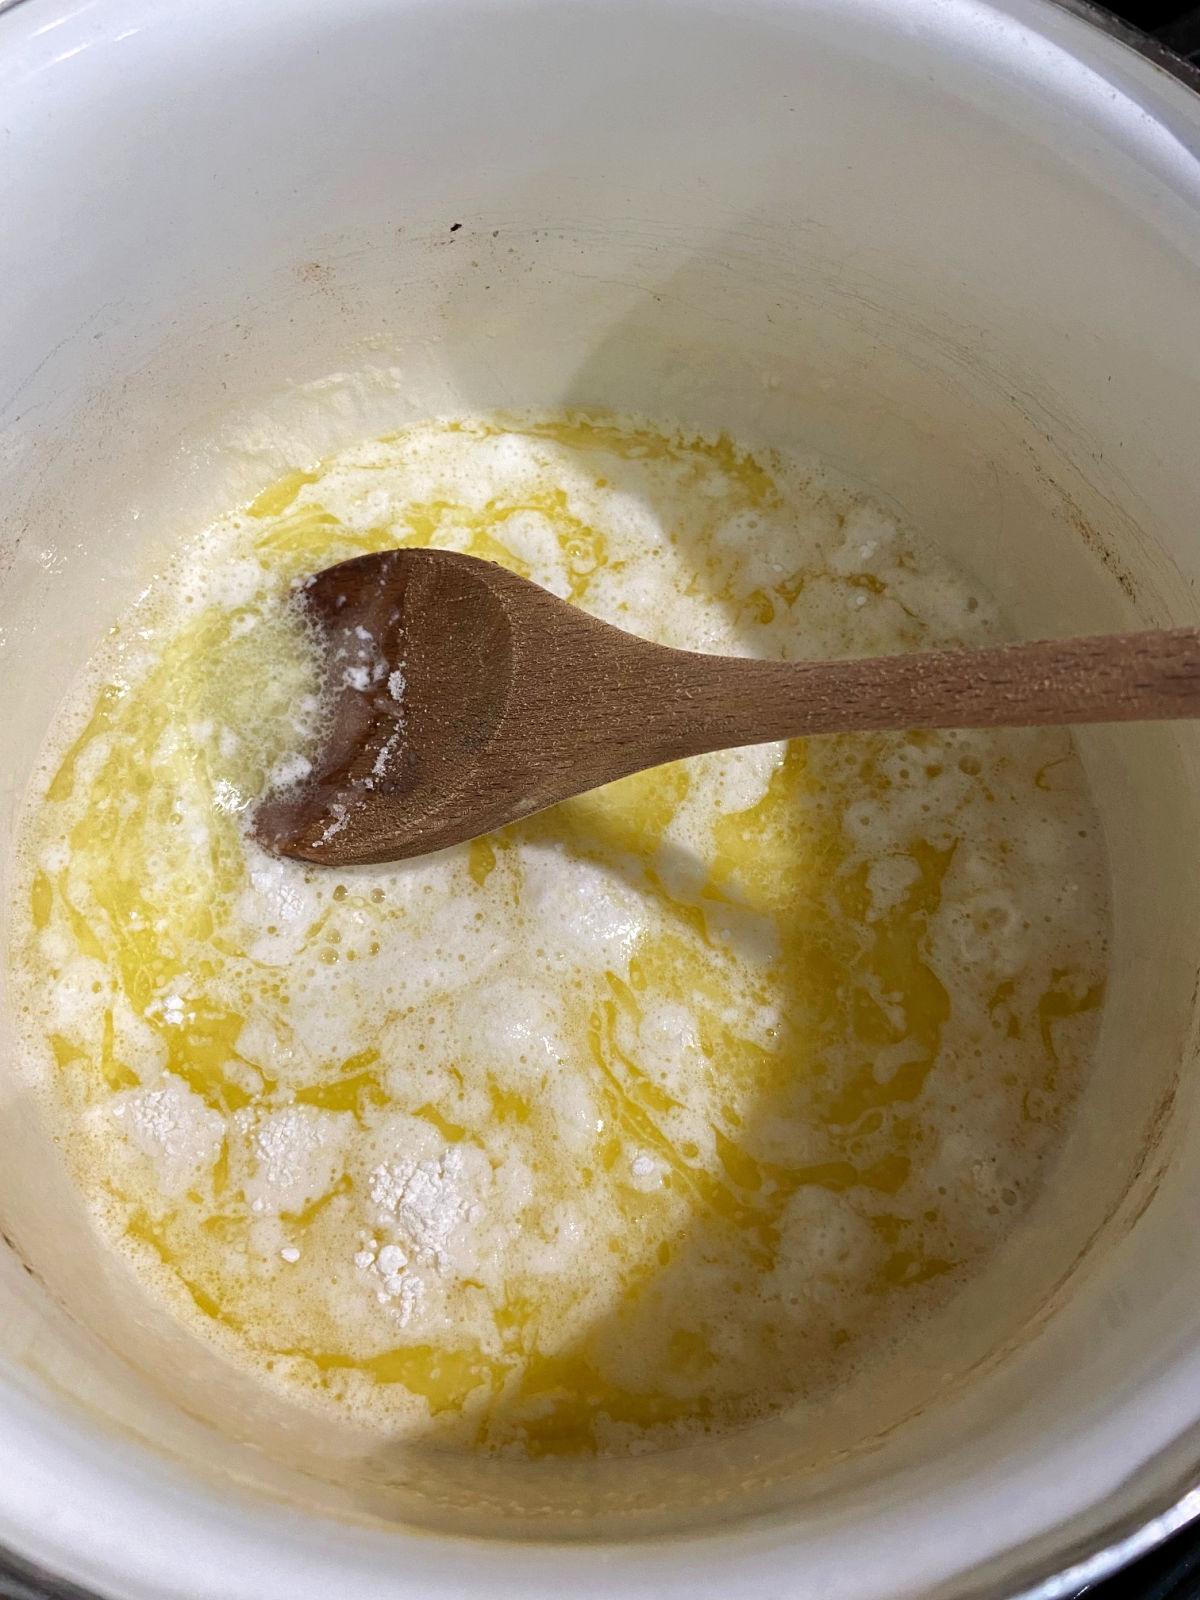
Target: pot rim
(1070, 1567)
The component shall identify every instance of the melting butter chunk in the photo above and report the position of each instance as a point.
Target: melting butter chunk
(649, 1116)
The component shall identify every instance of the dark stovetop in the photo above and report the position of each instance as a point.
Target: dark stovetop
(1171, 1573)
(1176, 25)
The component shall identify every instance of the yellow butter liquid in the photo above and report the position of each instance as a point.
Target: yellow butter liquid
(756, 1058)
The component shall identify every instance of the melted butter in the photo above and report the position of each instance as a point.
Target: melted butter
(747, 1061)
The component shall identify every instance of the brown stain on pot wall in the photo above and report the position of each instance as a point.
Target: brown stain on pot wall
(316, 275)
(16, 1250)
(1097, 545)
(1150, 1176)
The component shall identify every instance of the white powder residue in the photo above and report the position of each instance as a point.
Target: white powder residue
(401, 1290)
(340, 815)
(363, 665)
(383, 758)
(297, 1155)
(430, 1205)
(180, 1134)
(427, 1200)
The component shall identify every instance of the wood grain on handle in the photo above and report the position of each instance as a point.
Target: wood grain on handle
(1110, 678)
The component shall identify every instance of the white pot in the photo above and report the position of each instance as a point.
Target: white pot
(952, 245)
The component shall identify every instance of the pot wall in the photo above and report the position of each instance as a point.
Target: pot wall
(951, 249)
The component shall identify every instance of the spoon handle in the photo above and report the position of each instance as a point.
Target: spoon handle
(1111, 678)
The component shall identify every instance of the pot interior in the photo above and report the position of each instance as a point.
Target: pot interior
(951, 255)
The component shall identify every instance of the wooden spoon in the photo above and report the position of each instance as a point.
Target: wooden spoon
(465, 697)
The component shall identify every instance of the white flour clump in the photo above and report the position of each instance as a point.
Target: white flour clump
(401, 1290)
(428, 1205)
(173, 1127)
(427, 1201)
(297, 1156)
